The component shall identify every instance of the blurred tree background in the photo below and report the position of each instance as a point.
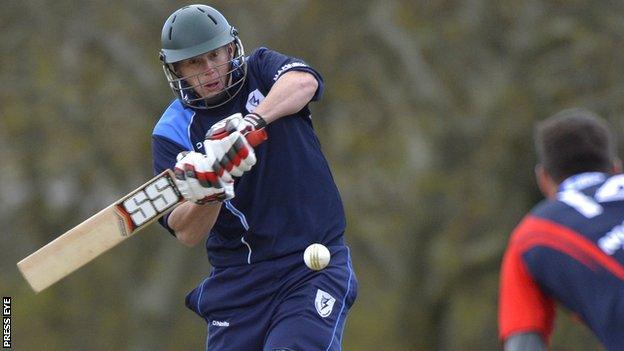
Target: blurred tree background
(427, 122)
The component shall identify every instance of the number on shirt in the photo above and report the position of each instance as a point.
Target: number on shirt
(611, 190)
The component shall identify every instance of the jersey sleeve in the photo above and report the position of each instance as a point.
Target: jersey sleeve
(164, 153)
(271, 65)
(523, 306)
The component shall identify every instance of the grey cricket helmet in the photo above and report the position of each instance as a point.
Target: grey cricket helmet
(194, 30)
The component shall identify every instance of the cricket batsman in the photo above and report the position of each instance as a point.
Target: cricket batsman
(256, 208)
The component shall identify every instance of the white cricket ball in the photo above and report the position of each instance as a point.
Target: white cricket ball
(316, 257)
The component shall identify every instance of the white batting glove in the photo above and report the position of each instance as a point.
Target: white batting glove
(236, 122)
(233, 153)
(199, 182)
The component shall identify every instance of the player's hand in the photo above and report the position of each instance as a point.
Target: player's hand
(233, 153)
(236, 122)
(199, 181)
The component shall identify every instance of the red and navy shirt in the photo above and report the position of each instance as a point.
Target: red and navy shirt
(288, 200)
(568, 250)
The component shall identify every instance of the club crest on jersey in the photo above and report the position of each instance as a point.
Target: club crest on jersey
(324, 303)
(253, 100)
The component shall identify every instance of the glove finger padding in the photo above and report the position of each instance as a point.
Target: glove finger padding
(197, 180)
(245, 157)
(234, 153)
(227, 126)
(236, 123)
(215, 151)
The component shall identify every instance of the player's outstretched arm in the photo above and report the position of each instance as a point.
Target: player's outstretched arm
(290, 93)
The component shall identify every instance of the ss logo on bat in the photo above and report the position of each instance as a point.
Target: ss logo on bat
(147, 203)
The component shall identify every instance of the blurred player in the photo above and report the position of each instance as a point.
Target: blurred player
(259, 209)
(568, 249)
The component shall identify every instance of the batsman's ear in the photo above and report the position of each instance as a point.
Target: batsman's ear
(616, 166)
(546, 184)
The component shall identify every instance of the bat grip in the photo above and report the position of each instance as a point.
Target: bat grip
(256, 137)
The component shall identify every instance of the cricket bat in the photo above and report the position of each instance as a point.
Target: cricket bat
(107, 228)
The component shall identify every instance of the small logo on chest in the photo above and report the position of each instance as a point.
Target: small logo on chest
(253, 100)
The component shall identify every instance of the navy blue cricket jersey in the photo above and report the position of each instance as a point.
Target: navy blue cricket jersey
(568, 250)
(288, 200)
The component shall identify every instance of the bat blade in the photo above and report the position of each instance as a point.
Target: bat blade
(109, 227)
(101, 232)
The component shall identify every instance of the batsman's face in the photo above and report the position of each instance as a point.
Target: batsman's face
(207, 73)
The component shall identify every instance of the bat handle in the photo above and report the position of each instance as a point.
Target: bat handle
(256, 137)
